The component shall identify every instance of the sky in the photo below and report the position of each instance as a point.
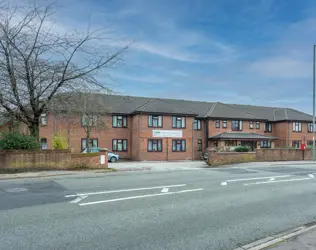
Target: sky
(256, 52)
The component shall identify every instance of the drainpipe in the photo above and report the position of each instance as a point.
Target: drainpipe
(288, 134)
(138, 137)
(206, 132)
(193, 140)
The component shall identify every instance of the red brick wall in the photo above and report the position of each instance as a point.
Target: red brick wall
(92, 160)
(224, 158)
(282, 154)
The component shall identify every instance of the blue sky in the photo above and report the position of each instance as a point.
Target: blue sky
(255, 52)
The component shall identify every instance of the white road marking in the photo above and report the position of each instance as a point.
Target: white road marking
(79, 198)
(165, 190)
(272, 179)
(16, 190)
(138, 197)
(259, 178)
(224, 183)
(269, 182)
(125, 190)
(311, 176)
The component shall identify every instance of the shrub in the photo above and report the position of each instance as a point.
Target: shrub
(17, 140)
(60, 141)
(241, 149)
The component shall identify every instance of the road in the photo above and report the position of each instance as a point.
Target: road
(218, 209)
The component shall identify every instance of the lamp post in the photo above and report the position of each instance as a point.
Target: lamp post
(314, 58)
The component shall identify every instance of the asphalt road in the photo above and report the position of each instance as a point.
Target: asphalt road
(197, 209)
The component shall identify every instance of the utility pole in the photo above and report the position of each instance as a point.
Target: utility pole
(314, 58)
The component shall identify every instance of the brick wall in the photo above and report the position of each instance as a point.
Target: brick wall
(283, 154)
(49, 159)
(225, 158)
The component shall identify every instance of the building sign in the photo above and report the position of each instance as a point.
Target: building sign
(167, 133)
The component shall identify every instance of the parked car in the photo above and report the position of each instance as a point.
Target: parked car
(111, 156)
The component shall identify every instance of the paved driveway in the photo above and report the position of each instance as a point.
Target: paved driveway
(158, 166)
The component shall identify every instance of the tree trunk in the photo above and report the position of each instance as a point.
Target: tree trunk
(87, 139)
(34, 130)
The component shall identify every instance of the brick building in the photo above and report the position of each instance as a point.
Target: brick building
(140, 128)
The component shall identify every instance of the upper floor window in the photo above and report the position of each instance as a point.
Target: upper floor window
(43, 119)
(119, 145)
(310, 127)
(224, 124)
(268, 127)
(237, 125)
(89, 120)
(154, 146)
(119, 121)
(197, 124)
(155, 121)
(251, 125)
(178, 145)
(217, 123)
(297, 127)
(257, 125)
(178, 122)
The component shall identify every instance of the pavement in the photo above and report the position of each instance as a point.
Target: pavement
(201, 208)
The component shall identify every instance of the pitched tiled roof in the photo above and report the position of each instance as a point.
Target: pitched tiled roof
(132, 104)
(240, 135)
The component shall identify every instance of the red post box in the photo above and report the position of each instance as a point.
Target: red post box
(303, 146)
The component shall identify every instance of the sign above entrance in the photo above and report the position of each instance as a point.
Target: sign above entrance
(167, 133)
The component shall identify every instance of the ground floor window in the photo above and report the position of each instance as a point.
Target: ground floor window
(43, 143)
(178, 145)
(154, 146)
(230, 143)
(119, 145)
(92, 143)
(199, 145)
(296, 144)
(265, 144)
(310, 143)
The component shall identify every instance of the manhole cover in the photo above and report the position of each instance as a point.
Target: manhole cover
(16, 190)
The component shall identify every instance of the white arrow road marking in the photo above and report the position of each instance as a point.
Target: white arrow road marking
(139, 197)
(80, 198)
(311, 176)
(165, 190)
(124, 190)
(224, 183)
(269, 182)
(259, 178)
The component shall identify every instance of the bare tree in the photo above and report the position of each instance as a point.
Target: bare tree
(37, 63)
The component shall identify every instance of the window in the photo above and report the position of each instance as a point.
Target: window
(119, 121)
(92, 143)
(297, 127)
(251, 125)
(43, 143)
(90, 120)
(257, 125)
(224, 124)
(43, 119)
(310, 143)
(237, 125)
(197, 124)
(310, 127)
(199, 146)
(155, 121)
(230, 143)
(268, 127)
(119, 145)
(178, 122)
(178, 145)
(296, 144)
(217, 123)
(154, 146)
(265, 144)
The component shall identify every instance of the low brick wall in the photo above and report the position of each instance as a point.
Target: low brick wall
(50, 159)
(225, 158)
(283, 154)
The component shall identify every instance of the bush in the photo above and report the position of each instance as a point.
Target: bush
(17, 140)
(60, 141)
(241, 149)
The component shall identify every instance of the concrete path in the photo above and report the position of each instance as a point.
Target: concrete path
(305, 241)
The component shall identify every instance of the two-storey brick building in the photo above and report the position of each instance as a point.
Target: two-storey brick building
(140, 128)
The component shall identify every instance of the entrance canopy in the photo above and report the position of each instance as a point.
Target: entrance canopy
(227, 136)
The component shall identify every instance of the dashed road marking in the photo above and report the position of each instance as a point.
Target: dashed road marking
(269, 182)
